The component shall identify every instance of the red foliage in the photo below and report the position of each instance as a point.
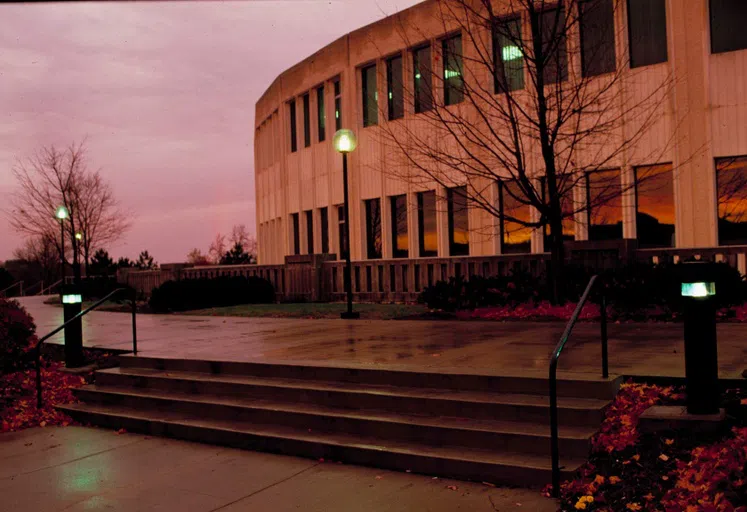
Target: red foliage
(620, 427)
(714, 478)
(18, 409)
(531, 311)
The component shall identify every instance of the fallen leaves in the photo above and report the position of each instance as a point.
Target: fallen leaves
(19, 395)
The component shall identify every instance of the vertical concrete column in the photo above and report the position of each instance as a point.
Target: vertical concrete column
(495, 221)
(627, 181)
(694, 170)
(442, 221)
(387, 251)
(581, 208)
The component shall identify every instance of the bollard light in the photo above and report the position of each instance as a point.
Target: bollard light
(72, 298)
(698, 290)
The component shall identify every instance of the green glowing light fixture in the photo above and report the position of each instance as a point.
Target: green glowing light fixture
(510, 53)
(451, 73)
(61, 213)
(72, 298)
(698, 290)
(344, 141)
(417, 76)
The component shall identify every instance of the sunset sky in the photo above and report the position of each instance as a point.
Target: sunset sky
(163, 93)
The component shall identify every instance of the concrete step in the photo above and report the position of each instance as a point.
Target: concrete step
(500, 468)
(531, 383)
(475, 405)
(433, 430)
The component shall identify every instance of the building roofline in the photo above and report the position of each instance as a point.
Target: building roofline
(339, 40)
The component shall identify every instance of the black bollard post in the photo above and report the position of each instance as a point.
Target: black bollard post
(71, 303)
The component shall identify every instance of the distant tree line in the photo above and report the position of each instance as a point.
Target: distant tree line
(243, 249)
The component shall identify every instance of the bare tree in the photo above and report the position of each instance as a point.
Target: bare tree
(520, 108)
(195, 257)
(52, 178)
(240, 236)
(217, 248)
(44, 252)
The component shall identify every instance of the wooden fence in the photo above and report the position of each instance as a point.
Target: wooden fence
(320, 278)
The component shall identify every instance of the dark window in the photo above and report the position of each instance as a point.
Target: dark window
(731, 179)
(728, 20)
(306, 121)
(324, 219)
(321, 114)
(427, 234)
(516, 237)
(422, 79)
(597, 37)
(604, 200)
(293, 137)
(296, 234)
(396, 100)
(553, 29)
(647, 32)
(508, 59)
(399, 226)
(655, 206)
(458, 222)
(309, 231)
(567, 213)
(370, 96)
(373, 228)
(453, 83)
(338, 106)
(342, 242)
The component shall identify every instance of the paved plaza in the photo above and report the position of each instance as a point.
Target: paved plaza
(652, 349)
(83, 469)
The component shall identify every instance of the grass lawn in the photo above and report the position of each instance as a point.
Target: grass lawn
(316, 310)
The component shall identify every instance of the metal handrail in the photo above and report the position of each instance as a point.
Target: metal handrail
(41, 292)
(554, 370)
(82, 313)
(17, 283)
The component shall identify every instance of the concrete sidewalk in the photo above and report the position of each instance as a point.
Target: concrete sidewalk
(86, 469)
(467, 346)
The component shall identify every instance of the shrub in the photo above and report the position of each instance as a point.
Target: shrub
(17, 336)
(189, 294)
(631, 291)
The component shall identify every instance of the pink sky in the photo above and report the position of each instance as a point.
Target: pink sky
(164, 94)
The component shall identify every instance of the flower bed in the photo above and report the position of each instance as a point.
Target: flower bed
(675, 471)
(18, 409)
(544, 311)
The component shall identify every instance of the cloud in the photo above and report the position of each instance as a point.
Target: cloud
(163, 93)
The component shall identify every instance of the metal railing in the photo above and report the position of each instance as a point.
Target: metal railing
(41, 292)
(17, 283)
(39, 401)
(554, 370)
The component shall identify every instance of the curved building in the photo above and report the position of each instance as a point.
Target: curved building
(694, 148)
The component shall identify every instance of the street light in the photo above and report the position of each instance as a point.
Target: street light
(344, 142)
(61, 214)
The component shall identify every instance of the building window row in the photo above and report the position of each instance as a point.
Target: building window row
(321, 115)
(652, 199)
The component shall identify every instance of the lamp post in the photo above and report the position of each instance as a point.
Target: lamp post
(71, 302)
(701, 359)
(61, 214)
(344, 142)
(78, 240)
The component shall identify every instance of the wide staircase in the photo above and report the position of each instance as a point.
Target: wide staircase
(484, 428)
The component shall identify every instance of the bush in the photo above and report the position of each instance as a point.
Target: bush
(17, 336)
(631, 291)
(189, 294)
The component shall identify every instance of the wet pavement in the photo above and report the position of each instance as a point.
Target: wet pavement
(79, 468)
(467, 346)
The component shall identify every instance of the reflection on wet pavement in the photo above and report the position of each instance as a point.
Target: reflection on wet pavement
(637, 349)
